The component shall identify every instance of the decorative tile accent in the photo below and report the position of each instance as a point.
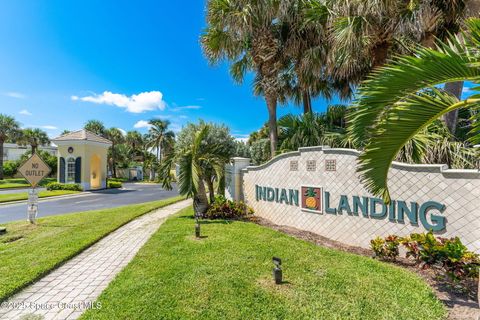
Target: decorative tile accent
(294, 165)
(330, 165)
(311, 165)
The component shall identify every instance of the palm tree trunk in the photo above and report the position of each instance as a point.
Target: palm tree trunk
(272, 122)
(34, 149)
(200, 201)
(1, 159)
(114, 167)
(307, 102)
(211, 190)
(221, 184)
(451, 118)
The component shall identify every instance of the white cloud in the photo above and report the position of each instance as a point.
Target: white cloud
(142, 124)
(466, 89)
(186, 108)
(183, 117)
(122, 131)
(25, 112)
(137, 103)
(13, 94)
(49, 127)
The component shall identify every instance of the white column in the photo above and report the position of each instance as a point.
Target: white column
(233, 178)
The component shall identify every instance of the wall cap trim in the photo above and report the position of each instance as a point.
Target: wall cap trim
(432, 168)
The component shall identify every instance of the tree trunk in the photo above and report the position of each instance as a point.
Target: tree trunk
(221, 184)
(380, 54)
(211, 190)
(307, 102)
(272, 123)
(451, 118)
(34, 149)
(1, 159)
(200, 201)
(114, 167)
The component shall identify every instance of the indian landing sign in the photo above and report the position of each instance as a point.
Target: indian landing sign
(318, 189)
(316, 200)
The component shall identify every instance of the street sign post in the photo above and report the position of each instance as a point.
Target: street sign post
(33, 170)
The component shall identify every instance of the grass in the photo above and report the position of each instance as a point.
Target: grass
(28, 251)
(228, 275)
(42, 194)
(21, 183)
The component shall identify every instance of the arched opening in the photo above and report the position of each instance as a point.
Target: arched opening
(95, 172)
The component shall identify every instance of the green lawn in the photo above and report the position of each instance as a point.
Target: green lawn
(24, 196)
(228, 275)
(29, 251)
(21, 183)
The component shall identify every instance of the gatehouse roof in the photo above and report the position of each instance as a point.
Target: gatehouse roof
(82, 135)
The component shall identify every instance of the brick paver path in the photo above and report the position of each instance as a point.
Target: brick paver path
(68, 291)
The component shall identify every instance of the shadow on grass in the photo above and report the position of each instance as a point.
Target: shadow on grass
(220, 221)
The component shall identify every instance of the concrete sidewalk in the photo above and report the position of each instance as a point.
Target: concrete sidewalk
(69, 290)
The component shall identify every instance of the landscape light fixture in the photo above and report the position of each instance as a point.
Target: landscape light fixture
(277, 270)
(3, 230)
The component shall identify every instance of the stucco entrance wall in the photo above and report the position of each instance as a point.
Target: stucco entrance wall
(425, 197)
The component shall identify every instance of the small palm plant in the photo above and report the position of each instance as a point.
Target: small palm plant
(194, 161)
(403, 99)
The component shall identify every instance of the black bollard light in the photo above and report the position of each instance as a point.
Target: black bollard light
(277, 270)
(3, 230)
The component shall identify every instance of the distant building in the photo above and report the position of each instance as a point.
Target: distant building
(13, 151)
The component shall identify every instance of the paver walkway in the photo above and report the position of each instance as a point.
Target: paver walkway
(71, 289)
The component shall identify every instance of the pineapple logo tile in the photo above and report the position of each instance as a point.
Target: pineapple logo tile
(312, 199)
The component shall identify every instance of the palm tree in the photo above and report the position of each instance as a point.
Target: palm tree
(159, 137)
(9, 129)
(34, 138)
(249, 33)
(394, 104)
(194, 161)
(95, 126)
(116, 137)
(134, 141)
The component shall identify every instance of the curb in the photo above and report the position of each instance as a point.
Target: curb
(73, 195)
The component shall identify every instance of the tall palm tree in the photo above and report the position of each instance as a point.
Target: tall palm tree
(249, 34)
(95, 126)
(194, 160)
(364, 34)
(394, 104)
(159, 137)
(34, 138)
(9, 129)
(116, 137)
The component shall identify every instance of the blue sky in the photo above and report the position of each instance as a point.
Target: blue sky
(121, 62)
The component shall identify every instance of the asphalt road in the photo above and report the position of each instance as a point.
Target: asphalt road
(131, 193)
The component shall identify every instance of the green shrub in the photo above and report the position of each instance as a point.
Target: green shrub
(118, 179)
(63, 186)
(10, 168)
(449, 255)
(386, 249)
(114, 184)
(222, 208)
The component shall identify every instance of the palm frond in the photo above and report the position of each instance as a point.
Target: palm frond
(400, 124)
(407, 75)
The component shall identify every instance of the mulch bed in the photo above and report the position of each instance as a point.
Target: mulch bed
(460, 303)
